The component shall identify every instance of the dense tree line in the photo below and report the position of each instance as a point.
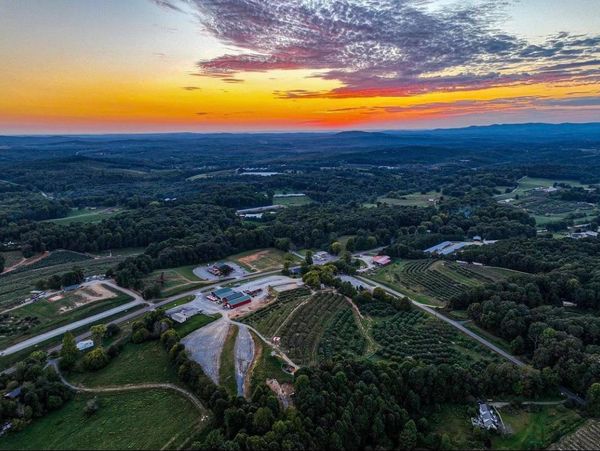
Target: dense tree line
(39, 391)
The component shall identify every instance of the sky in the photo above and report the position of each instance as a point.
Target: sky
(135, 66)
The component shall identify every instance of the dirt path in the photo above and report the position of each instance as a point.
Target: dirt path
(365, 329)
(26, 262)
(130, 387)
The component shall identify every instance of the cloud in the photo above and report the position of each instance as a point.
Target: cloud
(191, 88)
(386, 47)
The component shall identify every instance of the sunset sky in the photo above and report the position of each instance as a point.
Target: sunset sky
(89, 66)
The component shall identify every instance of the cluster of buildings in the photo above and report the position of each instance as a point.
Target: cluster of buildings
(583, 231)
(449, 247)
(230, 298)
(220, 270)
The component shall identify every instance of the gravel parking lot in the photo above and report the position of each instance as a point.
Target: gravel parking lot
(205, 345)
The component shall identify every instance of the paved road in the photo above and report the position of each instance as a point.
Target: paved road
(138, 300)
(564, 390)
(77, 324)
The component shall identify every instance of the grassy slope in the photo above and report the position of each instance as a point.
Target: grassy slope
(267, 366)
(195, 322)
(227, 370)
(128, 420)
(137, 363)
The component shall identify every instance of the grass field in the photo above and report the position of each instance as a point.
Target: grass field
(87, 215)
(536, 428)
(11, 257)
(43, 315)
(454, 422)
(227, 369)
(178, 302)
(295, 201)
(195, 322)
(128, 420)
(261, 259)
(175, 280)
(411, 200)
(435, 282)
(527, 184)
(137, 363)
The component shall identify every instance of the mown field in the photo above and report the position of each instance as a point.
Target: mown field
(434, 282)
(136, 364)
(414, 334)
(295, 201)
(536, 427)
(43, 315)
(87, 215)
(175, 280)
(195, 322)
(145, 419)
(412, 200)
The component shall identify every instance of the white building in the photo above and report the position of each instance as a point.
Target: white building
(85, 344)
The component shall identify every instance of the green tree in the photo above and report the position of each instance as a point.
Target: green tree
(593, 399)
(98, 332)
(95, 359)
(336, 247)
(262, 420)
(69, 351)
(408, 437)
(308, 258)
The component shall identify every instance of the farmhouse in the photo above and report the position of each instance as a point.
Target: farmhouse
(85, 344)
(487, 418)
(13, 394)
(382, 260)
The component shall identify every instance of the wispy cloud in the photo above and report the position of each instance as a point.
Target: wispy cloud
(386, 47)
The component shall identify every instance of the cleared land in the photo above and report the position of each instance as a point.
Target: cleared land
(87, 215)
(244, 356)
(294, 201)
(262, 259)
(205, 345)
(411, 200)
(128, 420)
(434, 282)
(44, 314)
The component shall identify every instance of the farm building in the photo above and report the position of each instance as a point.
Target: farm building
(238, 301)
(382, 260)
(449, 247)
(13, 394)
(182, 314)
(85, 344)
(230, 298)
(276, 289)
